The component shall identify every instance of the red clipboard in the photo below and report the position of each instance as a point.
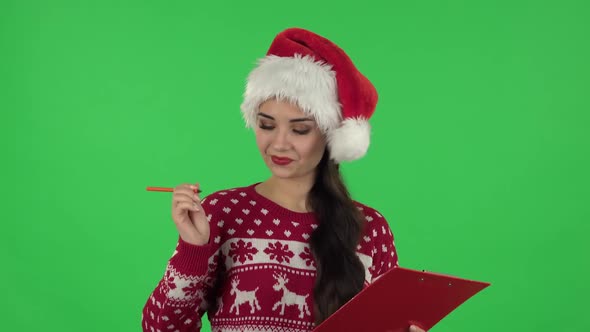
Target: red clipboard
(399, 298)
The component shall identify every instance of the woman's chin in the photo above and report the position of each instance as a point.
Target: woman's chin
(282, 173)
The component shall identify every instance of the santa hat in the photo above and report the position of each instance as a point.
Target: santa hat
(315, 74)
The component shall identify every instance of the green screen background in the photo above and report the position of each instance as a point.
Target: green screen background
(479, 157)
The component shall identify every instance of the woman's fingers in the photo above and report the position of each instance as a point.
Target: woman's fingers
(414, 328)
(185, 194)
(188, 197)
(188, 206)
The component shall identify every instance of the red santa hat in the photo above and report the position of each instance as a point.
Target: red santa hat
(315, 74)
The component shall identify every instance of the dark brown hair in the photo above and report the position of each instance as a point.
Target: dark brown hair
(340, 273)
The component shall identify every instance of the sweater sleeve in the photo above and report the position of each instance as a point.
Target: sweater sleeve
(384, 251)
(182, 295)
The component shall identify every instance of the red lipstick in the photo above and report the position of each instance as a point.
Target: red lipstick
(281, 161)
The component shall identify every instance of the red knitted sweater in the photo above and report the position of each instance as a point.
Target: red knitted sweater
(257, 272)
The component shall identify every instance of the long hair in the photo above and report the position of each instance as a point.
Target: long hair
(340, 273)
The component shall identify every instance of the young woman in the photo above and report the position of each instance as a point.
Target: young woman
(286, 253)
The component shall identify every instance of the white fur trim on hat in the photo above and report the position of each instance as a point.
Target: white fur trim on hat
(350, 141)
(307, 83)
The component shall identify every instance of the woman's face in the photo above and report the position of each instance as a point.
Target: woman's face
(289, 141)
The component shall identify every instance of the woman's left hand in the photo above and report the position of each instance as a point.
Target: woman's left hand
(414, 328)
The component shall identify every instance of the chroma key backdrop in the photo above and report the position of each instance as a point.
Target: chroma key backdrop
(479, 159)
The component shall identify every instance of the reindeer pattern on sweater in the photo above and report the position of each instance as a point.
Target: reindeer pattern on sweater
(258, 272)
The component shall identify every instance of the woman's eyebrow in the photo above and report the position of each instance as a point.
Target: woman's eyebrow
(265, 116)
(301, 120)
(292, 120)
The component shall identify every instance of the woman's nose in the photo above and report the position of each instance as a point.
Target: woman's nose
(281, 140)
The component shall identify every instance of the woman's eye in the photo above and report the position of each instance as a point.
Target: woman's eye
(301, 131)
(304, 131)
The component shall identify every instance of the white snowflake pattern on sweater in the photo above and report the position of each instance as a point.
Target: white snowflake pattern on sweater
(257, 273)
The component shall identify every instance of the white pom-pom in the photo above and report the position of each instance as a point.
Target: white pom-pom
(350, 141)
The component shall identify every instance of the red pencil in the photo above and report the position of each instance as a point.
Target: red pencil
(166, 189)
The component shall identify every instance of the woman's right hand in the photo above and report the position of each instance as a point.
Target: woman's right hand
(188, 215)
